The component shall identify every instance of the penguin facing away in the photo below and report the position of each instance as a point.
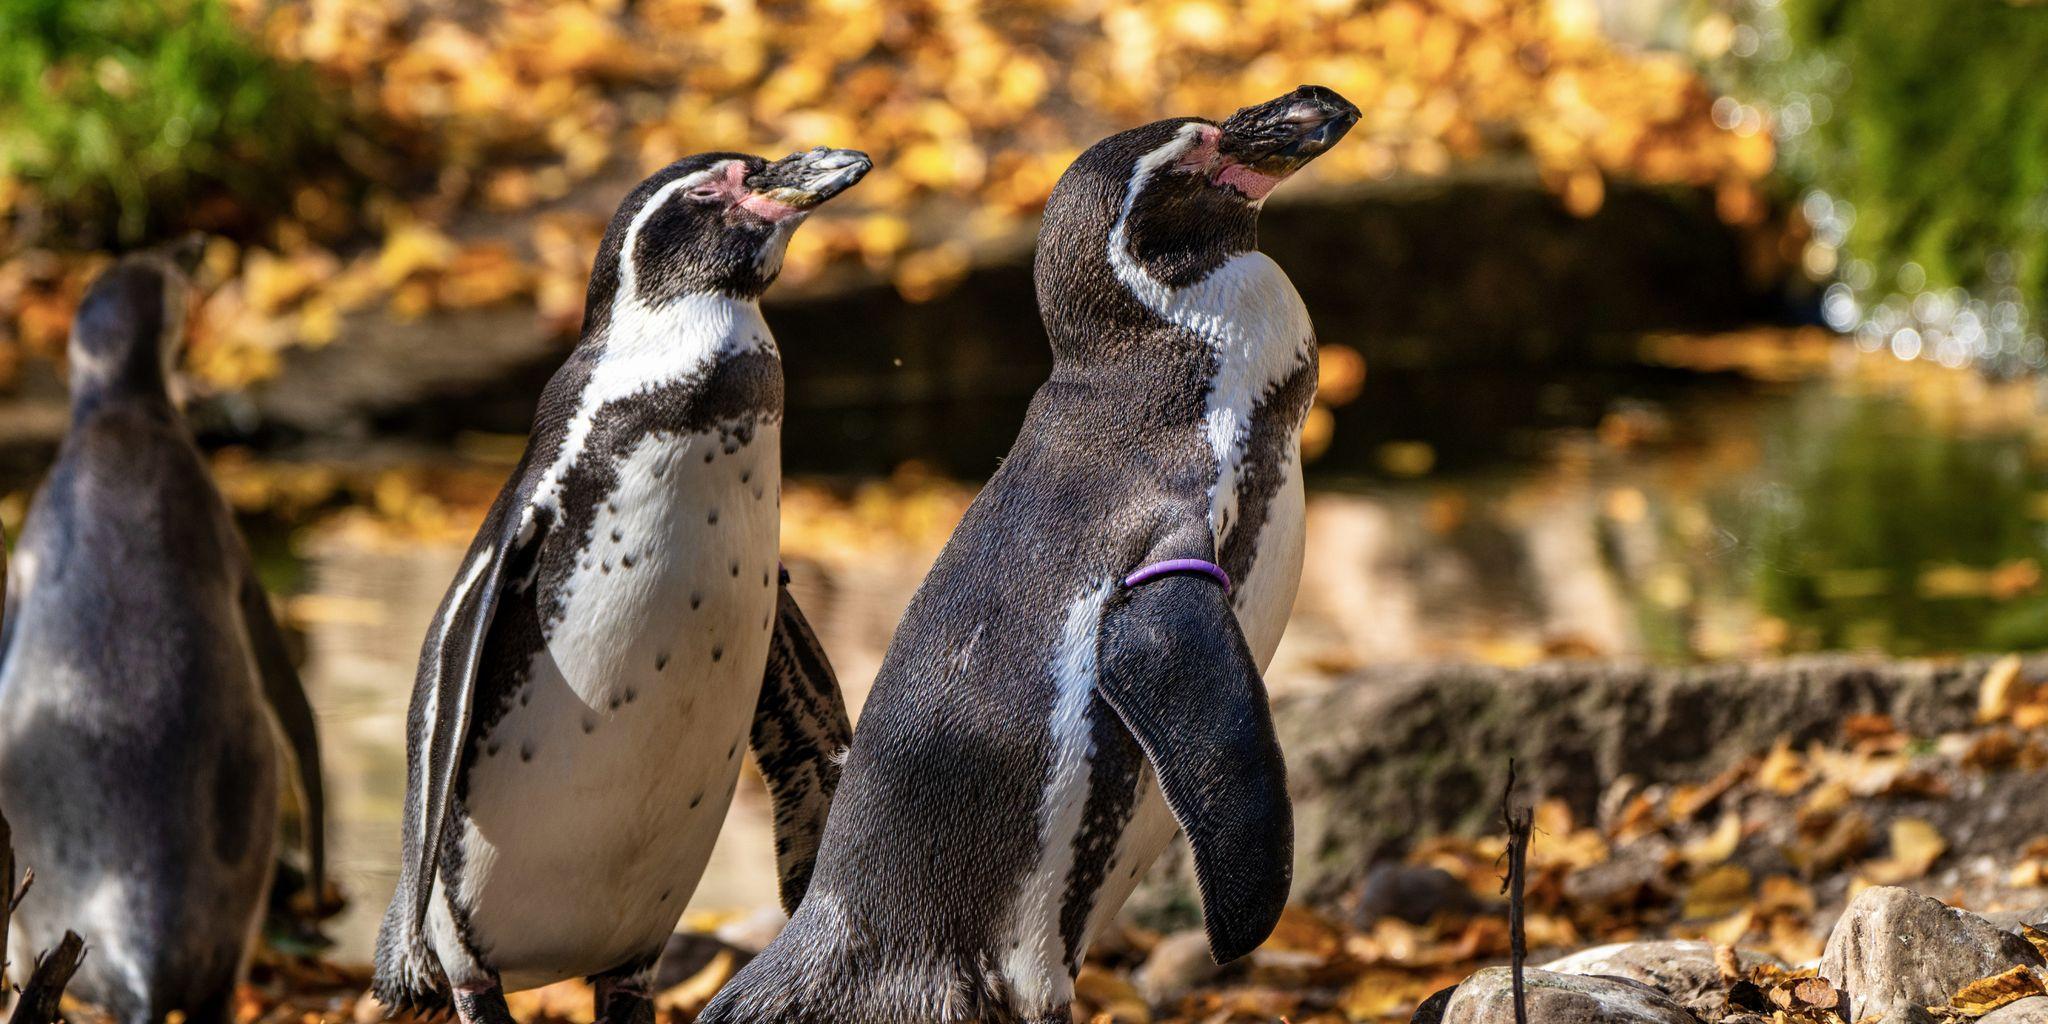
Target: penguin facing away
(619, 629)
(1080, 671)
(145, 689)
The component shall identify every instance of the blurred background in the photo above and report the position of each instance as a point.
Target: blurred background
(1656, 331)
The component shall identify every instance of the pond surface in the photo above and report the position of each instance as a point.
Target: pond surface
(1871, 505)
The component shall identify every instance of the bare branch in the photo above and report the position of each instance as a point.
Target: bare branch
(1520, 823)
(38, 1003)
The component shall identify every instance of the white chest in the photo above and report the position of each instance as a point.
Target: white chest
(593, 805)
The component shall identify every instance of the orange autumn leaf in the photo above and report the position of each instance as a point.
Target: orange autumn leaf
(1987, 994)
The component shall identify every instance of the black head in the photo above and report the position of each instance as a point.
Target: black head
(1175, 199)
(127, 330)
(713, 223)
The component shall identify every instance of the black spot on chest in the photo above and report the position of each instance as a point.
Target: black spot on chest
(729, 400)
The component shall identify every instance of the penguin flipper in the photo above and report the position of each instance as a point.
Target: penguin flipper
(438, 729)
(287, 696)
(1173, 664)
(800, 736)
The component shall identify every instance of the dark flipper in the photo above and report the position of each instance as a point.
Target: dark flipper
(437, 729)
(295, 714)
(800, 734)
(1174, 666)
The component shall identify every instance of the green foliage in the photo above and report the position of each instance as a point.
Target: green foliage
(1939, 134)
(1942, 133)
(124, 114)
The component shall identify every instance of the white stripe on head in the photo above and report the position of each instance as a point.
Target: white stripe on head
(646, 346)
(1246, 311)
(627, 272)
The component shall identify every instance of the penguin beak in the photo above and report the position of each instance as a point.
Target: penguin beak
(1280, 136)
(799, 182)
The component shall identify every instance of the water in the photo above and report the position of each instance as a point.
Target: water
(1877, 506)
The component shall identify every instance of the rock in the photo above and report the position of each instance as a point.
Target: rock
(1637, 874)
(1908, 1014)
(1406, 892)
(1488, 998)
(1431, 1010)
(1395, 751)
(1684, 971)
(1178, 963)
(1894, 948)
(2031, 1010)
(755, 931)
(687, 954)
(2014, 920)
(1391, 752)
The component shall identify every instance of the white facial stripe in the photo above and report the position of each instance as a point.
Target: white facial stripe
(1134, 276)
(1248, 314)
(646, 346)
(627, 272)
(1036, 965)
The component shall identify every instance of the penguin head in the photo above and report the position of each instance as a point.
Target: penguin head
(1173, 200)
(126, 333)
(713, 223)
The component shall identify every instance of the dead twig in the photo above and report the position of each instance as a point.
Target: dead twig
(1520, 823)
(39, 999)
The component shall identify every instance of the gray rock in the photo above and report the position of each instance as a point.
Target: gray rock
(1683, 970)
(755, 931)
(2032, 1010)
(1638, 873)
(1908, 1014)
(1394, 751)
(687, 953)
(1430, 1011)
(1894, 948)
(1177, 965)
(1488, 998)
(1415, 894)
(2014, 920)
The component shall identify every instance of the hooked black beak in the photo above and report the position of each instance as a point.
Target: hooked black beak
(804, 180)
(1281, 135)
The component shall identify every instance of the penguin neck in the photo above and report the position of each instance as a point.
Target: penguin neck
(1240, 328)
(134, 375)
(664, 339)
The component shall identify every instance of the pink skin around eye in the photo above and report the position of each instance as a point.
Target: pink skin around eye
(768, 209)
(1204, 156)
(759, 205)
(1251, 183)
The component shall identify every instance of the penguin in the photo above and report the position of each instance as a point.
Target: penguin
(147, 697)
(620, 630)
(1079, 676)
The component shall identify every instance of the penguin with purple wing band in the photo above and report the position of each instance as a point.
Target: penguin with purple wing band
(1080, 674)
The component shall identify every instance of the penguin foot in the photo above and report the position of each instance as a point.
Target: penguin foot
(482, 1004)
(624, 999)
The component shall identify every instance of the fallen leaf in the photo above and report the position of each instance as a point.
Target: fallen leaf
(1915, 846)
(1718, 892)
(1987, 994)
(1999, 690)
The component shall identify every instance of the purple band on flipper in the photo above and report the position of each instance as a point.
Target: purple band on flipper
(1177, 566)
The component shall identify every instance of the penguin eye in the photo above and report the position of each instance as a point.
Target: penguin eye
(703, 193)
